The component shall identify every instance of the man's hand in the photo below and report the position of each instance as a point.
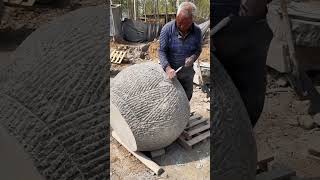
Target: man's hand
(170, 72)
(189, 62)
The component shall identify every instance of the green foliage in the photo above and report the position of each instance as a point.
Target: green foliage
(203, 6)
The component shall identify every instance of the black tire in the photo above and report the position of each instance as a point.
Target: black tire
(56, 103)
(233, 147)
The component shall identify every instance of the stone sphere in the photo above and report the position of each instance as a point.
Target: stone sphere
(148, 110)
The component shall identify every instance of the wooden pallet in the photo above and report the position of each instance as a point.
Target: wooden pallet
(20, 2)
(197, 130)
(117, 56)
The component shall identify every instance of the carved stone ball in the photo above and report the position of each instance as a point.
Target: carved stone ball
(148, 110)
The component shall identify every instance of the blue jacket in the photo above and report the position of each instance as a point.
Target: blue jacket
(174, 49)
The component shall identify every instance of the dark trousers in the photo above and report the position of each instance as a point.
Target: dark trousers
(185, 77)
(242, 48)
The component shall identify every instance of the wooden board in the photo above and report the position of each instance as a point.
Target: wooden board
(197, 130)
(192, 124)
(189, 143)
(143, 158)
(263, 163)
(117, 56)
(195, 117)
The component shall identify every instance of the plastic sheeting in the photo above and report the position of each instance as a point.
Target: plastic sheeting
(138, 31)
(115, 20)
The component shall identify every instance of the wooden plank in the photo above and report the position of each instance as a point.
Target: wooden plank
(263, 163)
(186, 135)
(195, 117)
(112, 55)
(192, 124)
(184, 143)
(119, 57)
(198, 130)
(199, 138)
(143, 158)
(266, 159)
(277, 174)
(122, 56)
(115, 55)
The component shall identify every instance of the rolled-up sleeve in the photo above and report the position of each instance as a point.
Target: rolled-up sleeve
(164, 46)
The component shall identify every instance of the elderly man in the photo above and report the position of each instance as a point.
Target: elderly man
(180, 46)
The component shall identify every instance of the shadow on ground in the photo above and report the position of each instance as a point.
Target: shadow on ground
(177, 155)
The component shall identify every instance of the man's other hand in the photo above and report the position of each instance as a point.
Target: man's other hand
(170, 72)
(189, 62)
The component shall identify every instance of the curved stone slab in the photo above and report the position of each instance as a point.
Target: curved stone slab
(233, 147)
(149, 110)
(56, 102)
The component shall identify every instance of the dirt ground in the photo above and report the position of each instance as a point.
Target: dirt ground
(285, 130)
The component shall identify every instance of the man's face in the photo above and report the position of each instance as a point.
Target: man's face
(184, 22)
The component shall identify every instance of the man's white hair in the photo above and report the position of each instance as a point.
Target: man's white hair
(185, 7)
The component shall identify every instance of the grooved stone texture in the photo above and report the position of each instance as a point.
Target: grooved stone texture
(233, 147)
(148, 111)
(56, 101)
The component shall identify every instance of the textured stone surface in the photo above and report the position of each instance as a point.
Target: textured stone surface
(233, 147)
(56, 101)
(305, 22)
(155, 108)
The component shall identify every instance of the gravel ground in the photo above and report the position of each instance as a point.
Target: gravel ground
(278, 131)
